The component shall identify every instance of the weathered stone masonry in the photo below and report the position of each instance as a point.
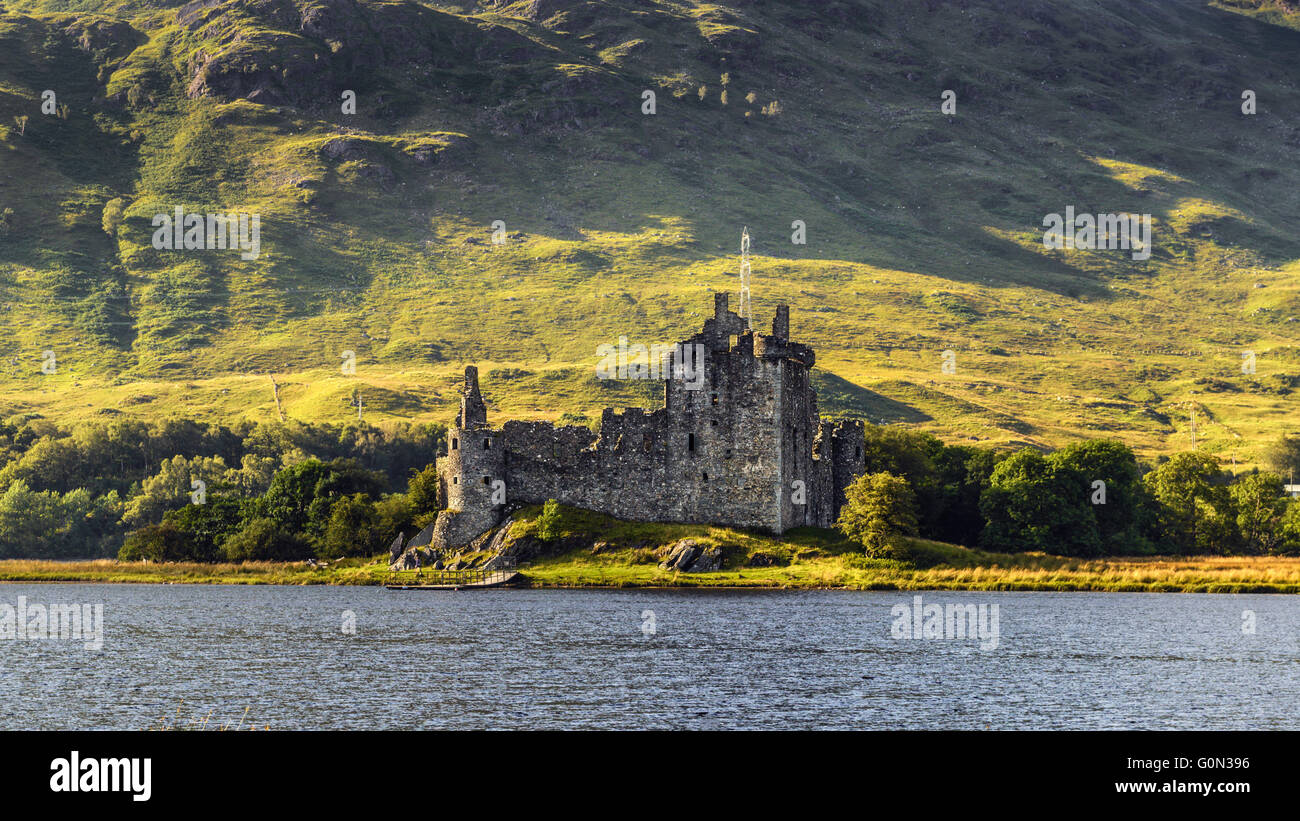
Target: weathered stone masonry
(731, 453)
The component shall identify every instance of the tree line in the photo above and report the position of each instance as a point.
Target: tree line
(1089, 499)
(179, 490)
(174, 489)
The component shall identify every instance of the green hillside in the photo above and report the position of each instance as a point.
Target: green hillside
(924, 230)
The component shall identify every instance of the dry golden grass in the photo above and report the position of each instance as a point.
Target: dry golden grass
(348, 571)
(1205, 574)
(1158, 574)
(1048, 573)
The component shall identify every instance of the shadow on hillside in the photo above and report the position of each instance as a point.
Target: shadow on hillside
(839, 397)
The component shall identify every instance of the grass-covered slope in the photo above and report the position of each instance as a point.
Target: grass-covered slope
(923, 230)
(592, 550)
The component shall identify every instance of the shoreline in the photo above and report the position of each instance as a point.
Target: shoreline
(1204, 575)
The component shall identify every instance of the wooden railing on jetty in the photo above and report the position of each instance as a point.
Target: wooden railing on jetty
(502, 571)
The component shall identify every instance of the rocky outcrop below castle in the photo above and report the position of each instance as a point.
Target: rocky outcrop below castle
(499, 547)
(689, 556)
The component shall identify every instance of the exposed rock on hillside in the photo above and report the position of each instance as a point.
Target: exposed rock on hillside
(304, 53)
(689, 556)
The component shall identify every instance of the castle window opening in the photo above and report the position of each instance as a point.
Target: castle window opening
(714, 423)
(857, 453)
(487, 480)
(455, 480)
(690, 442)
(728, 454)
(487, 444)
(705, 474)
(454, 442)
(713, 398)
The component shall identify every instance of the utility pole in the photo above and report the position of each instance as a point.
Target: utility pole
(746, 311)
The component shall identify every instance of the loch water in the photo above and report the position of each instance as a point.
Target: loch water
(370, 658)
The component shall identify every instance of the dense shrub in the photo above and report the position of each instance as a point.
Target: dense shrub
(1036, 503)
(878, 508)
(263, 540)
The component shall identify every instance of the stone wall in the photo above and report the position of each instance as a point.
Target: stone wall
(730, 452)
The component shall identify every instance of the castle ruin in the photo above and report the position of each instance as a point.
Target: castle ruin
(743, 447)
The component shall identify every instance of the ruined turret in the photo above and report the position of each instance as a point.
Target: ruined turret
(781, 323)
(724, 324)
(778, 345)
(472, 477)
(848, 460)
(473, 412)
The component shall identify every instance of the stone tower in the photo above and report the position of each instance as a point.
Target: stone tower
(472, 477)
(848, 461)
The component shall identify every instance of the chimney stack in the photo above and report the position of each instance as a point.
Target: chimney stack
(781, 323)
(473, 412)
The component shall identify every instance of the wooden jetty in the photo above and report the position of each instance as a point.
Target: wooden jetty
(470, 579)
